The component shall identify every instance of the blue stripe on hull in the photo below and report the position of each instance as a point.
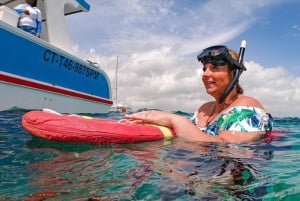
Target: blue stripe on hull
(34, 60)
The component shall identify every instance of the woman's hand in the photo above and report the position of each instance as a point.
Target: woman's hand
(26, 12)
(152, 116)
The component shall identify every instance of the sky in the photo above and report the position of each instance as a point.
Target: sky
(157, 42)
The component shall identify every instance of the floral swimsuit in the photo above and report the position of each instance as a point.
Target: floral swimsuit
(239, 118)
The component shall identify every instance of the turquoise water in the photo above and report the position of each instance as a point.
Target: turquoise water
(35, 169)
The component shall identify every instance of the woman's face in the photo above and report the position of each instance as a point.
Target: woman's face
(216, 79)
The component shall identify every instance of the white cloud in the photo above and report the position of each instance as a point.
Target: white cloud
(274, 87)
(157, 43)
(163, 81)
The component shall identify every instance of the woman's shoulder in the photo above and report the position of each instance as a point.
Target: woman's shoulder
(206, 106)
(248, 101)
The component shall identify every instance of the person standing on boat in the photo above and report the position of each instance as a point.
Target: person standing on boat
(232, 117)
(30, 17)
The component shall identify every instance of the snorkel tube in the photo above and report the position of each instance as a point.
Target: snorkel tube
(237, 72)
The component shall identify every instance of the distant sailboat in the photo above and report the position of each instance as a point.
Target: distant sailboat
(118, 107)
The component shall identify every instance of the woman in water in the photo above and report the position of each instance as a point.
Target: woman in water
(232, 117)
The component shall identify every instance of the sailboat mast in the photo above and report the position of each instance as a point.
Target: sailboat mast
(116, 82)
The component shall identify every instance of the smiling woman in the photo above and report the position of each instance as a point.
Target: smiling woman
(232, 117)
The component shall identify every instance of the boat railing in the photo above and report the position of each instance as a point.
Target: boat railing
(93, 64)
(9, 16)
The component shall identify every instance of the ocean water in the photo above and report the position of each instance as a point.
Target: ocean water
(32, 169)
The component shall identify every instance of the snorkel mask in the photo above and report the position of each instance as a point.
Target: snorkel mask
(219, 56)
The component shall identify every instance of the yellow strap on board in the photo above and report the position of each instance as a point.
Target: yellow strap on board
(165, 131)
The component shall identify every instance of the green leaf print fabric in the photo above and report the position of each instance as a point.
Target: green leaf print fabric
(240, 118)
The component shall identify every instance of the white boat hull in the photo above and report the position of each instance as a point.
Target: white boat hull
(21, 97)
(44, 73)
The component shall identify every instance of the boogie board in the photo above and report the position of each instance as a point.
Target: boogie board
(73, 128)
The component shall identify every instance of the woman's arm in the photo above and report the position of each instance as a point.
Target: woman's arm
(241, 137)
(38, 23)
(183, 127)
